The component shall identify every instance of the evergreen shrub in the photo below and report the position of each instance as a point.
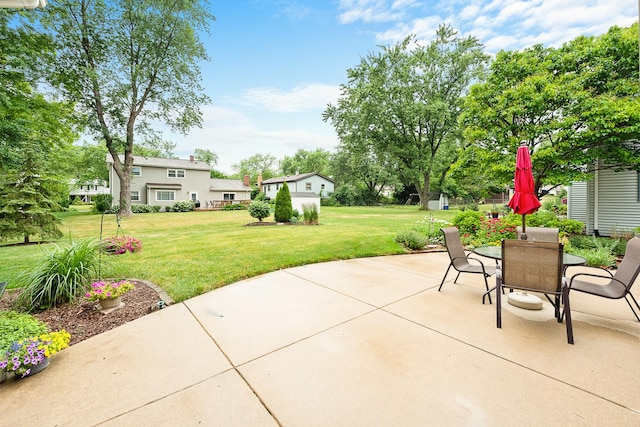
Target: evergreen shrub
(283, 209)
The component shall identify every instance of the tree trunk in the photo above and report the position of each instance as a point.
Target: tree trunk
(423, 192)
(26, 239)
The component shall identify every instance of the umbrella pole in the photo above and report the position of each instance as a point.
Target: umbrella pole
(523, 236)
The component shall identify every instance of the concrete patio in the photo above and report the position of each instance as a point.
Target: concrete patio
(364, 342)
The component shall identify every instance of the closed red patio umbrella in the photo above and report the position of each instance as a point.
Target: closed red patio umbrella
(524, 201)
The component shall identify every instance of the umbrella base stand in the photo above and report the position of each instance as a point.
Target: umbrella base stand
(524, 300)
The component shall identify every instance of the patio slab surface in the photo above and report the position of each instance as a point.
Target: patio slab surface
(363, 342)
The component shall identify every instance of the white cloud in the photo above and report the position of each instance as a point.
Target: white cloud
(373, 10)
(234, 135)
(310, 96)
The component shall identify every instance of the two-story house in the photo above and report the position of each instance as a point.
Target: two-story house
(162, 182)
(306, 188)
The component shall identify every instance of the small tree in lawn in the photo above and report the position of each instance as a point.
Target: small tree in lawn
(284, 209)
(259, 209)
(27, 201)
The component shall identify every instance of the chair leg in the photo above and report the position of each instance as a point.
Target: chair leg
(488, 293)
(498, 306)
(567, 310)
(445, 276)
(630, 306)
(457, 276)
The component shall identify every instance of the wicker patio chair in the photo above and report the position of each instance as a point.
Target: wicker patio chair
(619, 284)
(534, 266)
(541, 234)
(462, 262)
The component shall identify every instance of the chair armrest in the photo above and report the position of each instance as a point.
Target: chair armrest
(599, 276)
(470, 258)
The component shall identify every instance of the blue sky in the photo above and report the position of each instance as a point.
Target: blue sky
(275, 64)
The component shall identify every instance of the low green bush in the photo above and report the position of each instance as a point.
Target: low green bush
(431, 229)
(61, 276)
(18, 326)
(235, 207)
(102, 202)
(411, 239)
(259, 209)
(467, 221)
(144, 208)
(182, 206)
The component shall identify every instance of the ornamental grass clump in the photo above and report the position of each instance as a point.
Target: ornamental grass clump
(118, 245)
(60, 277)
(26, 354)
(108, 289)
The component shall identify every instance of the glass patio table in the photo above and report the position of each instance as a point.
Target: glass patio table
(523, 299)
(495, 252)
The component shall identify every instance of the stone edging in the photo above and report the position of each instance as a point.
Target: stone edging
(163, 295)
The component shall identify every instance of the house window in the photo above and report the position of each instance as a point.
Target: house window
(322, 186)
(307, 186)
(136, 171)
(269, 187)
(135, 196)
(165, 196)
(229, 196)
(176, 173)
(277, 187)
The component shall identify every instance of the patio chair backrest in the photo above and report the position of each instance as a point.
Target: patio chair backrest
(541, 234)
(532, 265)
(454, 246)
(629, 268)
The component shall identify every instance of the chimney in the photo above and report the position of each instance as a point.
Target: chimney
(260, 182)
(246, 180)
(192, 159)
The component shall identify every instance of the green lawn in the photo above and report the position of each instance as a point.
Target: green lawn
(190, 253)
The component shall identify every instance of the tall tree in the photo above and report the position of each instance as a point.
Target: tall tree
(405, 102)
(304, 161)
(127, 63)
(207, 156)
(258, 164)
(570, 106)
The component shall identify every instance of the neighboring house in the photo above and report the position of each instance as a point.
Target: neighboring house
(302, 183)
(86, 190)
(608, 203)
(162, 182)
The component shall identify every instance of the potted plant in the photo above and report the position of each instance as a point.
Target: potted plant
(108, 293)
(30, 356)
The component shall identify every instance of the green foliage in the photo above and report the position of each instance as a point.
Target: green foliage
(402, 106)
(468, 221)
(18, 326)
(102, 202)
(431, 228)
(259, 209)
(283, 209)
(614, 246)
(140, 208)
(304, 161)
(182, 206)
(235, 207)
(543, 218)
(27, 202)
(128, 85)
(411, 239)
(593, 81)
(310, 213)
(490, 233)
(61, 276)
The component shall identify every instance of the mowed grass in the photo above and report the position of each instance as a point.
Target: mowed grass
(190, 253)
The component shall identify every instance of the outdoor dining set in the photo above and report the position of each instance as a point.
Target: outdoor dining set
(536, 262)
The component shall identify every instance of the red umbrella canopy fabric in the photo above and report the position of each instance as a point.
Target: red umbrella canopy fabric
(524, 201)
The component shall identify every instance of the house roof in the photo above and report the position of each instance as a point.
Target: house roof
(218, 184)
(293, 178)
(159, 162)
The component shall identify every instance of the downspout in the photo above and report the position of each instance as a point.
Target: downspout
(596, 202)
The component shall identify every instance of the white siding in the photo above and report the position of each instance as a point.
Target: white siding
(618, 205)
(577, 201)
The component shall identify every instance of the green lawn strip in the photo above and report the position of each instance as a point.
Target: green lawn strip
(190, 253)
